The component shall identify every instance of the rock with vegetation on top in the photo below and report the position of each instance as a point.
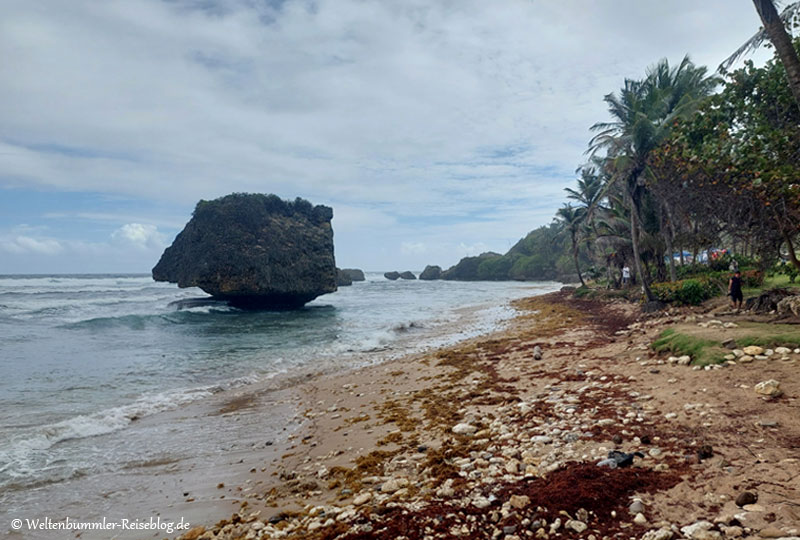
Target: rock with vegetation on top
(394, 276)
(431, 273)
(475, 268)
(408, 275)
(255, 251)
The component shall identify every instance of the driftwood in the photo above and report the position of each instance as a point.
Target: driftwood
(767, 301)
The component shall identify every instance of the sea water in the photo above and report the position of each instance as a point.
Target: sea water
(86, 359)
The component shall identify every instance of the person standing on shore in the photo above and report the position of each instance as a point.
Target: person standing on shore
(735, 290)
(626, 275)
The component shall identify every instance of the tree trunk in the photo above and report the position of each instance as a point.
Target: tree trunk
(575, 257)
(637, 258)
(782, 41)
(669, 237)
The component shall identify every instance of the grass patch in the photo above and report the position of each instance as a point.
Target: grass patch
(784, 339)
(702, 351)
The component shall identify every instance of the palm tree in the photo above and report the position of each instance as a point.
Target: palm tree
(775, 30)
(643, 113)
(573, 218)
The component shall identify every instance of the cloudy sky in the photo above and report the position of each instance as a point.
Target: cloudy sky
(434, 128)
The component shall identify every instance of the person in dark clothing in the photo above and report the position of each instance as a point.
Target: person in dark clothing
(735, 290)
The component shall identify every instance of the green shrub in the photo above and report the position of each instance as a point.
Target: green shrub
(787, 269)
(688, 292)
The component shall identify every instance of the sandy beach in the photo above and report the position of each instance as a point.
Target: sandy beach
(483, 440)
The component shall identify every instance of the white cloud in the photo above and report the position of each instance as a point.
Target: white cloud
(140, 236)
(413, 248)
(29, 245)
(472, 115)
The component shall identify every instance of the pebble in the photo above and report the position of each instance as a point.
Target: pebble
(394, 484)
(746, 359)
(640, 519)
(519, 501)
(753, 350)
(464, 429)
(770, 388)
(480, 502)
(362, 498)
(746, 497)
(658, 534)
(636, 507)
(575, 525)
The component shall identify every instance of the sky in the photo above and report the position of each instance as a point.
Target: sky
(435, 129)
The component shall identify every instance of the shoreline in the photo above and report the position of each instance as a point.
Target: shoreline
(177, 483)
(378, 457)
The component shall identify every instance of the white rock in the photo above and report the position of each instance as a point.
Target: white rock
(696, 531)
(640, 519)
(738, 352)
(753, 350)
(480, 502)
(771, 388)
(464, 429)
(362, 498)
(575, 525)
(657, 534)
(745, 359)
(394, 484)
(519, 501)
(544, 439)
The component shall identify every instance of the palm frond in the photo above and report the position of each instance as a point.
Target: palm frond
(789, 13)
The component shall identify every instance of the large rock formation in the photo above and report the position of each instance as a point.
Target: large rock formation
(468, 268)
(431, 272)
(255, 251)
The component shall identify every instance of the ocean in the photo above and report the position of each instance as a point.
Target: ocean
(103, 378)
